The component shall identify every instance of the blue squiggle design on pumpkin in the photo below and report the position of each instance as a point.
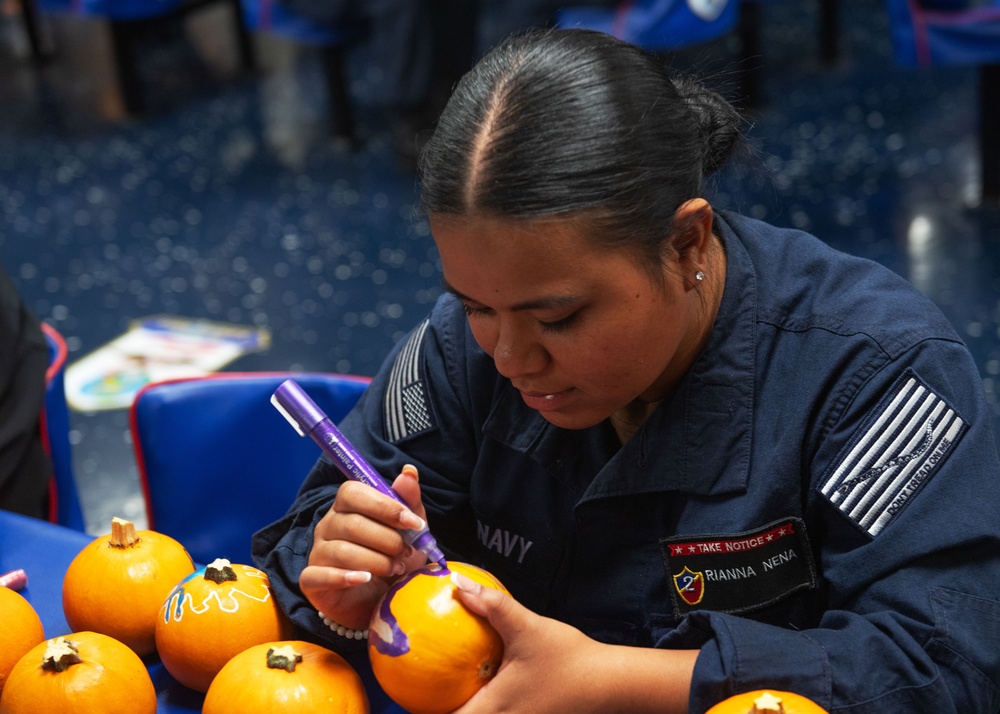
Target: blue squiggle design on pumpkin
(400, 643)
(177, 595)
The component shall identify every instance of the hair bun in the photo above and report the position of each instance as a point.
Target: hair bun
(718, 121)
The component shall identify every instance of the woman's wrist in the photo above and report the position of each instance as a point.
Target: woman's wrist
(341, 630)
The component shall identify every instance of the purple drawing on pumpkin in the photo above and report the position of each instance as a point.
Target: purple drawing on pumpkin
(385, 633)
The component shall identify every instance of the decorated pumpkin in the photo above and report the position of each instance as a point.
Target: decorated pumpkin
(288, 676)
(22, 630)
(117, 583)
(767, 701)
(211, 616)
(83, 673)
(428, 651)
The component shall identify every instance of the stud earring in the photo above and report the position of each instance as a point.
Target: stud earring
(699, 276)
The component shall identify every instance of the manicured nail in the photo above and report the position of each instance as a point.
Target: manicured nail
(410, 520)
(357, 577)
(410, 470)
(465, 584)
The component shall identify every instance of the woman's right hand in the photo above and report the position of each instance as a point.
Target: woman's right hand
(358, 551)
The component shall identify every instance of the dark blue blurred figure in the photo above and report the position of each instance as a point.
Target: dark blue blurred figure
(25, 469)
(423, 47)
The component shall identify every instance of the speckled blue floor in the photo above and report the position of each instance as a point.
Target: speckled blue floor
(230, 202)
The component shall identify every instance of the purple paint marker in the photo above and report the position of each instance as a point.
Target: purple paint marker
(307, 418)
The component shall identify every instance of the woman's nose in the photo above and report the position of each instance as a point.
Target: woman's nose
(517, 353)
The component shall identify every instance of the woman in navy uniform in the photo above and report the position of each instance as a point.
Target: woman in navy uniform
(704, 454)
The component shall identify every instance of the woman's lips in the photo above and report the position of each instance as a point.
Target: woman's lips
(546, 401)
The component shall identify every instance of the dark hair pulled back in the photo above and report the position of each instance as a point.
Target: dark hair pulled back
(561, 122)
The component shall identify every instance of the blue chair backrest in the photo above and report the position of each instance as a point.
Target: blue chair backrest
(217, 461)
(64, 498)
(658, 25)
(959, 33)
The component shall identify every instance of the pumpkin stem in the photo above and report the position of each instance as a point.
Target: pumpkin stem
(220, 571)
(123, 533)
(766, 703)
(284, 657)
(59, 655)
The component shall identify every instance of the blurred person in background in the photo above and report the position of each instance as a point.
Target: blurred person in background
(25, 468)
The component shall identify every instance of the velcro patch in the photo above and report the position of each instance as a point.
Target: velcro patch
(893, 454)
(405, 406)
(739, 572)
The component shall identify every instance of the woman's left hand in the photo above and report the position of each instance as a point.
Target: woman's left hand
(549, 666)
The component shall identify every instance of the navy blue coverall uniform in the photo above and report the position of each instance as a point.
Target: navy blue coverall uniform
(815, 506)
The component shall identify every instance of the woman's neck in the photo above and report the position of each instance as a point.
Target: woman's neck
(627, 420)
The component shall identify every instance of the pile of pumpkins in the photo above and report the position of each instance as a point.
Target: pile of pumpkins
(216, 630)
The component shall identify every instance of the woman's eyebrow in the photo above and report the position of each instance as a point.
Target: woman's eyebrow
(546, 303)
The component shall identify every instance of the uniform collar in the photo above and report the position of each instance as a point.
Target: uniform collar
(696, 442)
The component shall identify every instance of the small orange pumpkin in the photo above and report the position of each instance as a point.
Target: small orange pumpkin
(289, 676)
(116, 583)
(83, 673)
(22, 630)
(767, 701)
(211, 616)
(428, 651)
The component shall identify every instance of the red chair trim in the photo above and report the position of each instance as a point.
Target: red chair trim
(921, 44)
(619, 25)
(60, 360)
(43, 425)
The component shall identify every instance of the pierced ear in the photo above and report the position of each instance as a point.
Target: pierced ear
(693, 232)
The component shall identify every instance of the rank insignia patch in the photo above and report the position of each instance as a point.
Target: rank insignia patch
(739, 572)
(893, 454)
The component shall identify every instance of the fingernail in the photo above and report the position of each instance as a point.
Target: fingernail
(398, 567)
(357, 577)
(409, 470)
(465, 584)
(411, 521)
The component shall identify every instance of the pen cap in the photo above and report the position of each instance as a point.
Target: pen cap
(297, 406)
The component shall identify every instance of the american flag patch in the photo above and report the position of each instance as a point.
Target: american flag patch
(405, 408)
(893, 454)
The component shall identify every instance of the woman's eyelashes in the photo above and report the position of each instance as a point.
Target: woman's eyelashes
(475, 311)
(559, 325)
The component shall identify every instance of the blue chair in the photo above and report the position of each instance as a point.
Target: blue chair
(671, 25)
(657, 25)
(957, 33)
(217, 461)
(64, 498)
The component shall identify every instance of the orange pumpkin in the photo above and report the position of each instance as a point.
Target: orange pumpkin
(767, 701)
(289, 676)
(211, 616)
(427, 650)
(83, 673)
(117, 583)
(22, 630)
